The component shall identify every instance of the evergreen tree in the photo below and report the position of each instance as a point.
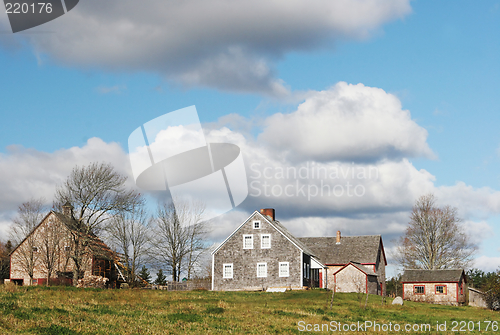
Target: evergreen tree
(144, 274)
(160, 278)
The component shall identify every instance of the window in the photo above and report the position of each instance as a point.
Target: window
(247, 241)
(461, 288)
(261, 270)
(265, 241)
(67, 248)
(227, 271)
(35, 249)
(256, 225)
(440, 289)
(284, 269)
(307, 272)
(419, 289)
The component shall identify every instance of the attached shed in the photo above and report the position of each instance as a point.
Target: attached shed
(477, 298)
(353, 277)
(435, 286)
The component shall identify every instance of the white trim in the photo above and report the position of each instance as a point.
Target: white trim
(253, 224)
(234, 232)
(287, 269)
(262, 239)
(213, 278)
(246, 221)
(265, 266)
(224, 270)
(244, 240)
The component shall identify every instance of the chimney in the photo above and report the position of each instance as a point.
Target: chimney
(269, 212)
(338, 236)
(67, 210)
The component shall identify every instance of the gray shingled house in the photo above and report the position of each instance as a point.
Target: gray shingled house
(261, 253)
(435, 286)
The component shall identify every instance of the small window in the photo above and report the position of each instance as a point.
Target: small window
(256, 225)
(247, 241)
(462, 288)
(227, 271)
(265, 241)
(261, 270)
(419, 289)
(35, 249)
(284, 269)
(440, 289)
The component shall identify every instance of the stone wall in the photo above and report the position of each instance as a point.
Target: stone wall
(245, 260)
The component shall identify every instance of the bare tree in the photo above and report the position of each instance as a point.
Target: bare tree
(180, 233)
(51, 238)
(97, 192)
(434, 239)
(29, 215)
(129, 233)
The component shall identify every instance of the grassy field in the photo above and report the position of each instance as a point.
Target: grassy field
(59, 310)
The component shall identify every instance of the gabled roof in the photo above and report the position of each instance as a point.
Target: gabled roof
(361, 249)
(358, 266)
(69, 223)
(447, 275)
(276, 225)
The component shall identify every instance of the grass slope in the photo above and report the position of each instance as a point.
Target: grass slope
(59, 310)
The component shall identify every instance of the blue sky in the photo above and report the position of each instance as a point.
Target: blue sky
(440, 59)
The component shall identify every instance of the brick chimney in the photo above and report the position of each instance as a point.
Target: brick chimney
(67, 209)
(338, 236)
(269, 212)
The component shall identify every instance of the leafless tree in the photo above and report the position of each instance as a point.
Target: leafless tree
(180, 233)
(98, 193)
(51, 237)
(434, 239)
(129, 233)
(29, 215)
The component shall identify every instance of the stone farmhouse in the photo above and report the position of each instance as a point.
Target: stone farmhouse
(435, 286)
(51, 242)
(262, 254)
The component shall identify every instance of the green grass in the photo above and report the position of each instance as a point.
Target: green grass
(60, 310)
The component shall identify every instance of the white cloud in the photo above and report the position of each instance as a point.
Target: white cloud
(27, 173)
(487, 264)
(229, 45)
(347, 122)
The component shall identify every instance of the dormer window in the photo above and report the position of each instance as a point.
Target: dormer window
(256, 225)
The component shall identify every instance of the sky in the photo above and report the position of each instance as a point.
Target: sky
(406, 89)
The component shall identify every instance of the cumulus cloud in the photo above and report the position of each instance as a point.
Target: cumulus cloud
(487, 264)
(347, 122)
(223, 44)
(27, 173)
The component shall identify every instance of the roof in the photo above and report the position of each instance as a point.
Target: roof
(69, 223)
(361, 249)
(358, 266)
(279, 227)
(305, 248)
(446, 275)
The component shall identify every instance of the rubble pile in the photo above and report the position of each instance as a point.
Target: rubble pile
(92, 282)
